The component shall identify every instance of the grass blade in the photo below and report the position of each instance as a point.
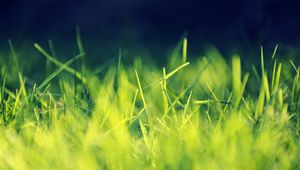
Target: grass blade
(60, 64)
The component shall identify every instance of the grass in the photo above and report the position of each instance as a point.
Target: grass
(205, 113)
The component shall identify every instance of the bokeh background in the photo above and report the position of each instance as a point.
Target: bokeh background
(152, 27)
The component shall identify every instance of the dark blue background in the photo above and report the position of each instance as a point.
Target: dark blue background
(156, 25)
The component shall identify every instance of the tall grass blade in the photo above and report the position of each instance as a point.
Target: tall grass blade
(60, 64)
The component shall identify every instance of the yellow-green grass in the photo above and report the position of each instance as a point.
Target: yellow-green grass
(198, 114)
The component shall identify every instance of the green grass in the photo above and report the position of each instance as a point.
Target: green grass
(204, 113)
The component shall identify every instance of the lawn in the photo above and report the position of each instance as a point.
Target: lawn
(205, 112)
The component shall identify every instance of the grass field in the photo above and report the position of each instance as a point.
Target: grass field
(200, 113)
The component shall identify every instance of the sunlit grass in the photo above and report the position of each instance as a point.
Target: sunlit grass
(198, 114)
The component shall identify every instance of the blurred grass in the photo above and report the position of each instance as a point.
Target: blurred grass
(201, 113)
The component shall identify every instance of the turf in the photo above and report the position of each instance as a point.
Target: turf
(200, 113)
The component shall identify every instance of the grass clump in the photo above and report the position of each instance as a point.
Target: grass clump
(200, 114)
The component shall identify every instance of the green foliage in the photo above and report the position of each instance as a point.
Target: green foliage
(191, 115)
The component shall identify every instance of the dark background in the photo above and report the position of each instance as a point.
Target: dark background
(153, 27)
